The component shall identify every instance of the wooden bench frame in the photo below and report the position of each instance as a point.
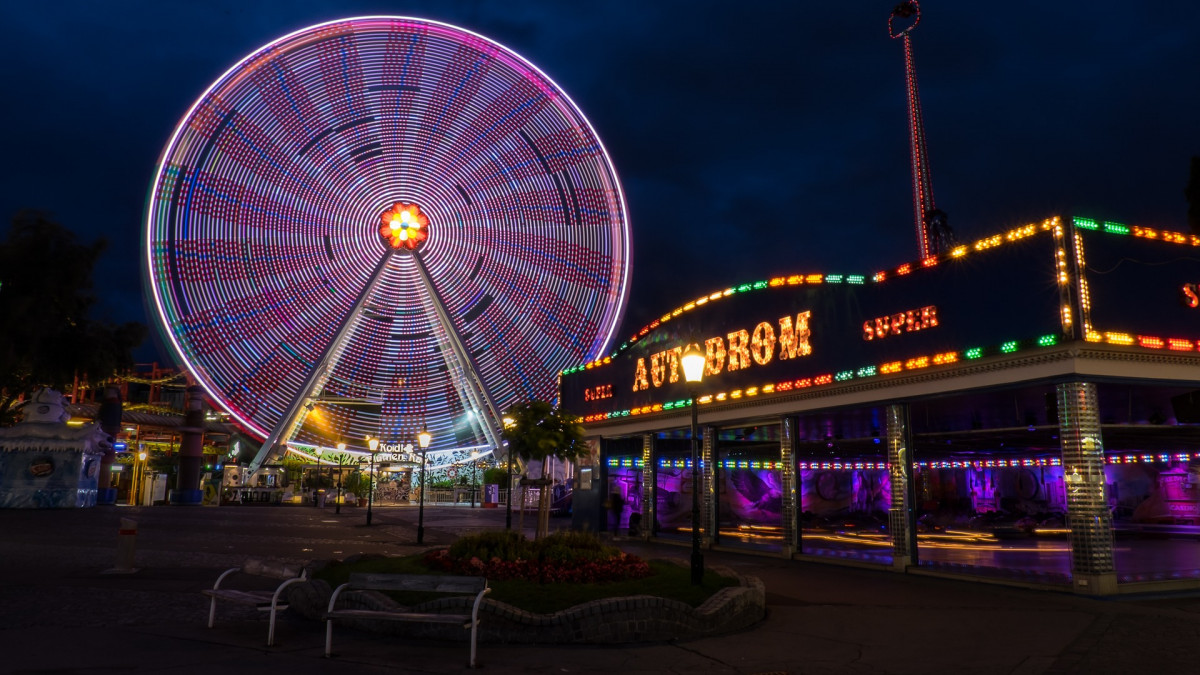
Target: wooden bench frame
(409, 582)
(262, 600)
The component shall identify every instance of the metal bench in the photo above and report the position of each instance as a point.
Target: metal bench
(263, 600)
(408, 582)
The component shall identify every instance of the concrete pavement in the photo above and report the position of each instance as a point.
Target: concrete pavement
(62, 614)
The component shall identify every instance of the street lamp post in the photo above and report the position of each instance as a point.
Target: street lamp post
(337, 508)
(474, 475)
(423, 439)
(139, 477)
(508, 423)
(693, 371)
(374, 445)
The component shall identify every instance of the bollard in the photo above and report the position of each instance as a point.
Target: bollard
(126, 547)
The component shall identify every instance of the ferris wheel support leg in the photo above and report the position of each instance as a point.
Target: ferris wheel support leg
(474, 388)
(297, 411)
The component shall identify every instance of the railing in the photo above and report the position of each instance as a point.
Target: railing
(464, 496)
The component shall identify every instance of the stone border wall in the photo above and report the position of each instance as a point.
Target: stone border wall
(641, 618)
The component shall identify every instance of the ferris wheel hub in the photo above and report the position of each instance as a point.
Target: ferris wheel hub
(403, 226)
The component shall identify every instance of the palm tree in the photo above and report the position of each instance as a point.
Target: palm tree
(539, 431)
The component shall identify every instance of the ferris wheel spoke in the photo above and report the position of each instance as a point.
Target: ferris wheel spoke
(319, 372)
(471, 385)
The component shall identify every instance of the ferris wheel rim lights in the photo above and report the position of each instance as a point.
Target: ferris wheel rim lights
(172, 311)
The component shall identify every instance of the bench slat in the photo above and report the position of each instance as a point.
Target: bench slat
(417, 582)
(464, 619)
(257, 598)
(272, 569)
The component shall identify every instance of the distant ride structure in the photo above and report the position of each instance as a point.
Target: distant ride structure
(379, 225)
(934, 235)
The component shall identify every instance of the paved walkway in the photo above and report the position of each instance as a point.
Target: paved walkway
(62, 614)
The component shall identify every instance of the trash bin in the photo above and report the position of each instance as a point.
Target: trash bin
(321, 498)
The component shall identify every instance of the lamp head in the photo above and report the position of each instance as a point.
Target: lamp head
(373, 444)
(508, 422)
(424, 438)
(693, 363)
(341, 447)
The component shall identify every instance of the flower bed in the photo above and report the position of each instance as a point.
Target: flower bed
(566, 557)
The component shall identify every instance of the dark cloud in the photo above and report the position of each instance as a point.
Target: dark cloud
(751, 138)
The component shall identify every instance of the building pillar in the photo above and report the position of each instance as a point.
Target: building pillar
(111, 410)
(191, 450)
(602, 477)
(649, 488)
(1088, 517)
(901, 516)
(792, 543)
(708, 483)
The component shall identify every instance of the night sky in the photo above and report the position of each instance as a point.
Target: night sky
(752, 138)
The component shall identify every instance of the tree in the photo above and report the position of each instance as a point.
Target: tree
(538, 432)
(45, 297)
(1192, 192)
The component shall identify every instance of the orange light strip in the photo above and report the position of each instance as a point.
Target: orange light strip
(1166, 235)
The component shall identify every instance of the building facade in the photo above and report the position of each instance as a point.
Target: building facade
(1025, 407)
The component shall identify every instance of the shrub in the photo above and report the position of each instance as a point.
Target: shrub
(504, 545)
(495, 476)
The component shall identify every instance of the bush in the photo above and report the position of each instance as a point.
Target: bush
(495, 476)
(567, 547)
(504, 545)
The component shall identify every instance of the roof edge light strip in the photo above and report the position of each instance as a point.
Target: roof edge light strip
(1013, 235)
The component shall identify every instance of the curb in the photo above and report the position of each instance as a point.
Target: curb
(607, 621)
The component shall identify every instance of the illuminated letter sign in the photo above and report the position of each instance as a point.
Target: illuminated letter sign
(744, 349)
(658, 369)
(597, 393)
(908, 321)
(639, 378)
(739, 350)
(714, 349)
(1191, 296)
(762, 345)
(793, 340)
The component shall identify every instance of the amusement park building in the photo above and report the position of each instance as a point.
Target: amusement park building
(1022, 408)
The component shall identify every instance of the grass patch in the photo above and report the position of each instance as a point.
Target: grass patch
(666, 580)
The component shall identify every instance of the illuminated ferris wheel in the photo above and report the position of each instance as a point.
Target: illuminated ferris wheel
(380, 224)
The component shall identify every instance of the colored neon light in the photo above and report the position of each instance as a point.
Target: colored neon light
(261, 227)
(1053, 225)
(1009, 463)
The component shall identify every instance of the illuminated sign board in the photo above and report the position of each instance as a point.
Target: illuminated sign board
(1105, 282)
(1138, 285)
(815, 329)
